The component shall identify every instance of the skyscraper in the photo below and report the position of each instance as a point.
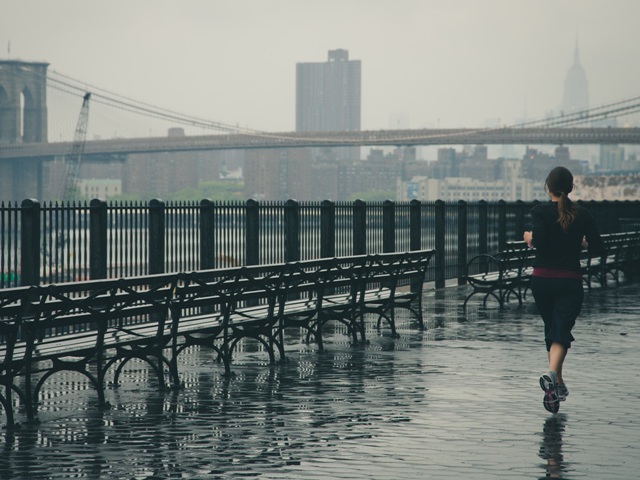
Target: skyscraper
(576, 99)
(328, 97)
(576, 87)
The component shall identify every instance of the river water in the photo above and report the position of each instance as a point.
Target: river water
(458, 400)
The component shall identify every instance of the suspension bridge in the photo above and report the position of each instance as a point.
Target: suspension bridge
(200, 134)
(119, 126)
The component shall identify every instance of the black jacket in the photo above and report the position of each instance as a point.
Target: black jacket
(556, 248)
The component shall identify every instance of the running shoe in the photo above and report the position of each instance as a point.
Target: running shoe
(551, 400)
(563, 391)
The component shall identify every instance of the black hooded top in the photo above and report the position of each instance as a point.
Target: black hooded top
(556, 248)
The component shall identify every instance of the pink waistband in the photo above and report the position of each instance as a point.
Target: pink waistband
(547, 272)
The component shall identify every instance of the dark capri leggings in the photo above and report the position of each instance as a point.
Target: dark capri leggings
(559, 301)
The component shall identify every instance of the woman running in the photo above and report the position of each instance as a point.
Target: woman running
(559, 231)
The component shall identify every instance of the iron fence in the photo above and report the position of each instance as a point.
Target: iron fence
(52, 243)
(10, 229)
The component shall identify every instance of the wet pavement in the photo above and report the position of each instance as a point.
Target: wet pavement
(458, 400)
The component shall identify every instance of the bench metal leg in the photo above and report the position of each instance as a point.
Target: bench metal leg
(7, 404)
(63, 366)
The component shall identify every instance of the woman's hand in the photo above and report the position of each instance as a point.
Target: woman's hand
(528, 237)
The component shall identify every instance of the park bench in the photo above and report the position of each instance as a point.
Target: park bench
(347, 291)
(501, 275)
(507, 273)
(218, 308)
(395, 285)
(316, 293)
(82, 327)
(621, 258)
(93, 326)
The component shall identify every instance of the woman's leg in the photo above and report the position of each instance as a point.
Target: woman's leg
(559, 302)
(557, 354)
(544, 297)
(567, 308)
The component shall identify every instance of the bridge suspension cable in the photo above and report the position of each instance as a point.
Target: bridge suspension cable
(69, 85)
(113, 100)
(611, 110)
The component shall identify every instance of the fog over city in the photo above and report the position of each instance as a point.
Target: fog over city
(461, 63)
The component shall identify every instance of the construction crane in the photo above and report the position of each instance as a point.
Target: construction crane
(73, 160)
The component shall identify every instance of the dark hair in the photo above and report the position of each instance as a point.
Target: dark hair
(560, 183)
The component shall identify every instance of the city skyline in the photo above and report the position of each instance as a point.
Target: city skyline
(427, 64)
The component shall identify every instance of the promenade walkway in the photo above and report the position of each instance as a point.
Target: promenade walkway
(459, 400)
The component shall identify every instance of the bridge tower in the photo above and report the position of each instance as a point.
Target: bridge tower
(23, 101)
(23, 119)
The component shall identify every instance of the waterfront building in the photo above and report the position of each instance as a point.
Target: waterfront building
(452, 189)
(622, 186)
(469, 175)
(104, 188)
(536, 164)
(612, 157)
(266, 173)
(328, 98)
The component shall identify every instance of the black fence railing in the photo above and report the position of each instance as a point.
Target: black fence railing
(53, 243)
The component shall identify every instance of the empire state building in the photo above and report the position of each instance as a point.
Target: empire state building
(576, 87)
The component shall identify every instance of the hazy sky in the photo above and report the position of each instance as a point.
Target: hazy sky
(424, 62)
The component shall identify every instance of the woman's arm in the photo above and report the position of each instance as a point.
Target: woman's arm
(528, 237)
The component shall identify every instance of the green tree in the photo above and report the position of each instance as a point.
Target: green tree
(211, 190)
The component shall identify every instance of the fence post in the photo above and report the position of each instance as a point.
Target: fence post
(462, 242)
(388, 226)
(97, 239)
(252, 232)
(207, 242)
(615, 216)
(592, 206)
(502, 225)
(533, 204)
(415, 225)
(156, 236)
(604, 211)
(359, 227)
(624, 214)
(613, 213)
(30, 242)
(440, 243)
(600, 209)
(520, 222)
(482, 227)
(291, 231)
(327, 229)
(633, 212)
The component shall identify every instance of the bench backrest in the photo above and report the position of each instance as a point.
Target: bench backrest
(392, 270)
(34, 314)
(47, 311)
(225, 290)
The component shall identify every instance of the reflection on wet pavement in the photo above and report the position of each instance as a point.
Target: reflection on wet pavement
(551, 445)
(458, 400)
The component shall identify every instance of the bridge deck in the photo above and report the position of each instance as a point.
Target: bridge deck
(450, 136)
